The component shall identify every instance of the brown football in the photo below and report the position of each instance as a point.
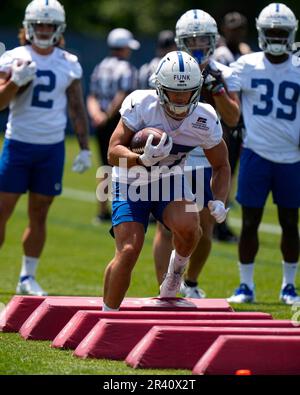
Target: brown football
(139, 139)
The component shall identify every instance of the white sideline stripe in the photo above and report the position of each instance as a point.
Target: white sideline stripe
(76, 194)
(90, 197)
(265, 228)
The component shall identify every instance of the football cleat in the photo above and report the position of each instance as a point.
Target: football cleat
(30, 287)
(243, 294)
(171, 285)
(288, 295)
(191, 292)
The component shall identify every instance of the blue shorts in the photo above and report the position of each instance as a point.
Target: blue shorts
(32, 167)
(259, 176)
(125, 208)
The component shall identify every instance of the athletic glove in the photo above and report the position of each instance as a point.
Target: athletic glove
(82, 161)
(153, 154)
(218, 210)
(22, 73)
(213, 80)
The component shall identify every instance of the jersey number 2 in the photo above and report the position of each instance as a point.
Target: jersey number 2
(267, 98)
(36, 100)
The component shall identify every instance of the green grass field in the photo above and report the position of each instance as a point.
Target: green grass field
(74, 260)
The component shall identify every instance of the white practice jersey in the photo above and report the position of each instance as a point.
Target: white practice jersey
(39, 114)
(197, 156)
(271, 106)
(202, 128)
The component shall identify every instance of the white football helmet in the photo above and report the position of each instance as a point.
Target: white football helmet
(276, 16)
(44, 11)
(197, 34)
(178, 72)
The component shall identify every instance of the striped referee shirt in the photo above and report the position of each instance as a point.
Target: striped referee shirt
(111, 76)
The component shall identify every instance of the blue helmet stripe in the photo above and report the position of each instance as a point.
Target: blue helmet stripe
(277, 7)
(181, 64)
(47, 2)
(195, 14)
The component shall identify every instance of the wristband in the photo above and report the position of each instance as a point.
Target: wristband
(218, 90)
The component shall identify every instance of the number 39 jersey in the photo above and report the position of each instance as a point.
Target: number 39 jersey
(270, 106)
(38, 114)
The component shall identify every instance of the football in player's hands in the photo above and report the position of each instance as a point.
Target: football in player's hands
(140, 138)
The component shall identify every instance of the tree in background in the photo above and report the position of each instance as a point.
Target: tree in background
(143, 17)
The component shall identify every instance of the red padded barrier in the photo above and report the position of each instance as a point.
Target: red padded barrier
(17, 311)
(115, 338)
(54, 313)
(83, 321)
(267, 355)
(181, 348)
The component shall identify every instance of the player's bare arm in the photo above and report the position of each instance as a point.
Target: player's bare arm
(118, 146)
(228, 106)
(8, 90)
(96, 114)
(220, 181)
(77, 113)
(116, 104)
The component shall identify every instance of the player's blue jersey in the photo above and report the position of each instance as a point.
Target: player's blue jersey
(270, 106)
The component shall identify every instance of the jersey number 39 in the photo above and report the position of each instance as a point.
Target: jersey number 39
(288, 95)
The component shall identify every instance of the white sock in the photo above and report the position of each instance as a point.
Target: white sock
(106, 308)
(177, 262)
(289, 273)
(246, 274)
(29, 266)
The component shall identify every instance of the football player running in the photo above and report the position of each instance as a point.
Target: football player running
(39, 81)
(196, 33)
(270, 160)
(174, 107)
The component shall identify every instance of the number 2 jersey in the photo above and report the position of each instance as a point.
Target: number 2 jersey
(38, 115)
(270, 106)
(200, 129)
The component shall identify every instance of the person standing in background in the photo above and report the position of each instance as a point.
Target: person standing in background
(39, 81)
(270, 160)
(165, 44)
(196, 34)
(231, 45)
(111, 81)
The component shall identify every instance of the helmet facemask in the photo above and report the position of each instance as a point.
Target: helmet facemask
(33, 36)
(276, 41)
(176, 110)
(200, 46)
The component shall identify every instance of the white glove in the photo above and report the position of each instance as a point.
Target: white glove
(153, 154)
(82, 161)
(218, 210)
(22, 73)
